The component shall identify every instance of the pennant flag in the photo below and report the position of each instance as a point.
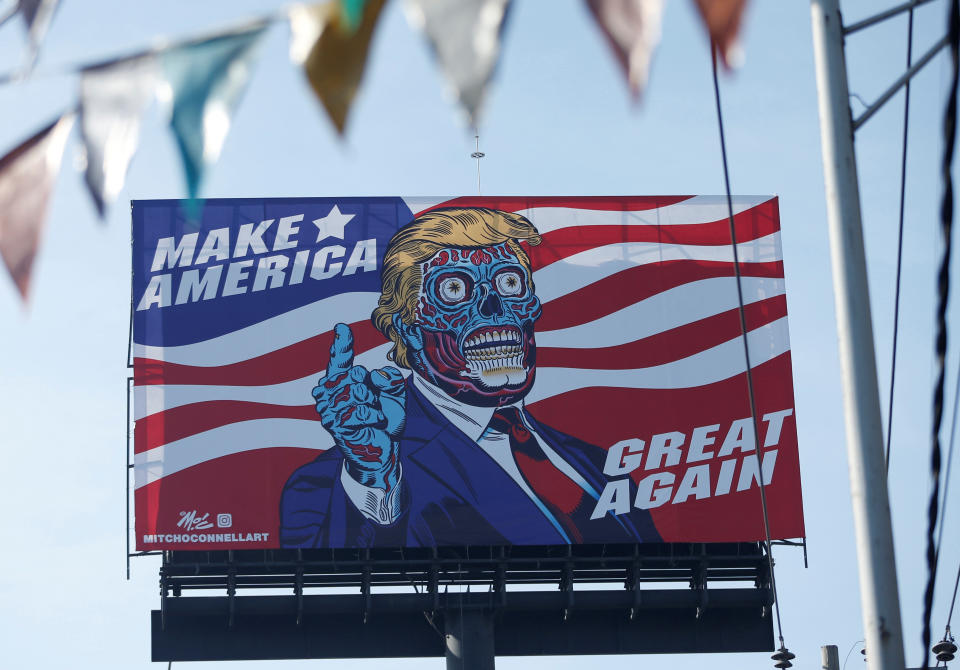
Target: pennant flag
(333, 54)
(465, 37)
(37, 15)
(205, 80)
(722, 20)
(9, 13)
(352, 11)
(632, 28)
(113, 98)
(27, 175)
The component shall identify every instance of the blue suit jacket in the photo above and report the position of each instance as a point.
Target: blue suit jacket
(454, 494)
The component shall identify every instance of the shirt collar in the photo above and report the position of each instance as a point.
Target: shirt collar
(469, 419)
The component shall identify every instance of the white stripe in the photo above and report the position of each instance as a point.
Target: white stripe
(661, 312)
(234, 438)
(592, 265)
(698, 209)
(149, 399)
(420, 203)
(274, 333)
(553, 281)
(649, 317)
(672, 308)
(705, 367)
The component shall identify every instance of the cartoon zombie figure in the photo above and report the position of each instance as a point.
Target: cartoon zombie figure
(449, 455)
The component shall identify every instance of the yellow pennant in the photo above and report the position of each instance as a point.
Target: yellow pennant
(333, 52)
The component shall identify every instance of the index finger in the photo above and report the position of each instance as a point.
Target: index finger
(341, 351)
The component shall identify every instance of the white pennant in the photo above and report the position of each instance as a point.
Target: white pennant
(633, 29)
(113, 98)
(465, 36)
(27, 175)
(37, 15)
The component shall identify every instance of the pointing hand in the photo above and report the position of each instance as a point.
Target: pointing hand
(364, 412)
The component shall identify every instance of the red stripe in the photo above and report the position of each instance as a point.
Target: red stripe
(287, 363)
(750, 225)
(180, 422)
(247, 485)
(291, 362)
(668, 346)
(629, 286)
(642, 413)
(601, 203)
(177, 423)
(591, 302)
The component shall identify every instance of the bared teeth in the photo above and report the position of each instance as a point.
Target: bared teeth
(493, 344)
(491, 353)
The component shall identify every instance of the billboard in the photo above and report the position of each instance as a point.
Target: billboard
(356, 372)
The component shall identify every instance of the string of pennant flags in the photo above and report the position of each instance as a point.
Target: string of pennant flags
(202, 80)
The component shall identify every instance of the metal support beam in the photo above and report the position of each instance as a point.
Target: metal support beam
(829, 657)
(127, 472)
(868, 483)
(899, 83)
(883, 16)
(469, 639)
(521, 624)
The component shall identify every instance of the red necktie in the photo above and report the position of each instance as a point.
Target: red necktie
(561, 494)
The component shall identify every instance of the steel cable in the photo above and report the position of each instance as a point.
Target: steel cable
(953, 600)
(943, 290)
(943, 504)
(746, 347)
(946, 476)
(903, 192)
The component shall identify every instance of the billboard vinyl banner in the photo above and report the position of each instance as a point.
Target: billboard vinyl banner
(396, 372)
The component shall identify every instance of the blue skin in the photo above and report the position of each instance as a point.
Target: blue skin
(364, 411)
(459, 298)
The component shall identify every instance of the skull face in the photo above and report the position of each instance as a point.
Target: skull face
(475, 316)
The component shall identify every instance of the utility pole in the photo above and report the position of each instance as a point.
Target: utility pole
(469, 638)
(868, 482)
(829, 657)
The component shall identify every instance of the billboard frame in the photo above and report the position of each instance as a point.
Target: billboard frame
(499, 616)
(470, 628)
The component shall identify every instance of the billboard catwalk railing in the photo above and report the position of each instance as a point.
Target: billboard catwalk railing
(376, 621)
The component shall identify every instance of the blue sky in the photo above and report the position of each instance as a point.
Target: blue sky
(559, 120)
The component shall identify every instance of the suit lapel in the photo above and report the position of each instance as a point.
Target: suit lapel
(436, 453)
(443, 462)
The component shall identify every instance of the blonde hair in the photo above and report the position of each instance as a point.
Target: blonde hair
(420, 240)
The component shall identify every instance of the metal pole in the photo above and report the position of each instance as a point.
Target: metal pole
(127, 473)
(469, 639)
(829, 657)
(868, 485)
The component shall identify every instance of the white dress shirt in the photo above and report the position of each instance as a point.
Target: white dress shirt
(384, 507)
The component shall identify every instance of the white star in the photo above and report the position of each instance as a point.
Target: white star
(332, 224)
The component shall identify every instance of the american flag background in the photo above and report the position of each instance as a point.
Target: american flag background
(640, 335)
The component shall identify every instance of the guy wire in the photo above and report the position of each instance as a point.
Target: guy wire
(903, 191)
(746, 346)
(946, 476)
(943, 293)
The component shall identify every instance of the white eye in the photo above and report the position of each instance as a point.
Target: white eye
(453, 290)
(509, 283)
